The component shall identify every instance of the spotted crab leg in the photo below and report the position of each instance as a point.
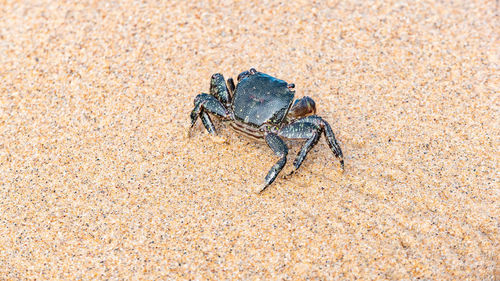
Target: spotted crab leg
(310, 128)
(279, 148)
(203, 104)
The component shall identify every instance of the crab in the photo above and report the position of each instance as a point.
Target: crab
(262, 107)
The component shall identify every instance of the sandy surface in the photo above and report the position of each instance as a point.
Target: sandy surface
(98, 181)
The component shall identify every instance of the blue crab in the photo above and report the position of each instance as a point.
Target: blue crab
(262, 107)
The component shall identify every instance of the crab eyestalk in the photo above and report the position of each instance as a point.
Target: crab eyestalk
(246, 73)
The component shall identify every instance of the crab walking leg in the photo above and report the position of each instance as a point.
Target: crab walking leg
(230, 86)
(281, 150)
(207, 122)
(301, 130)
(310, 128)
(204, 103)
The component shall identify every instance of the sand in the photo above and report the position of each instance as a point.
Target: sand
(97, 180)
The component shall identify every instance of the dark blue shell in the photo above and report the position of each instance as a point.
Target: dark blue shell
(260, 99)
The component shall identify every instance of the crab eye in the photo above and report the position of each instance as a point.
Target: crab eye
(246, 73)
(242, 75)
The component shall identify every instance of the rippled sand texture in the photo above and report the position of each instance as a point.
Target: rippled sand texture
(97, 180)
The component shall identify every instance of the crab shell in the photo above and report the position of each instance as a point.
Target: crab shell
(262, 99)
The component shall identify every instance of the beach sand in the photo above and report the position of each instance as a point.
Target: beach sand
(97, 179)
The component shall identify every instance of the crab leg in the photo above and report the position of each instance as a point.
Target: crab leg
(219, 89)
(230, 86)
(281, 150)
(310, 128)
(204, 103)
